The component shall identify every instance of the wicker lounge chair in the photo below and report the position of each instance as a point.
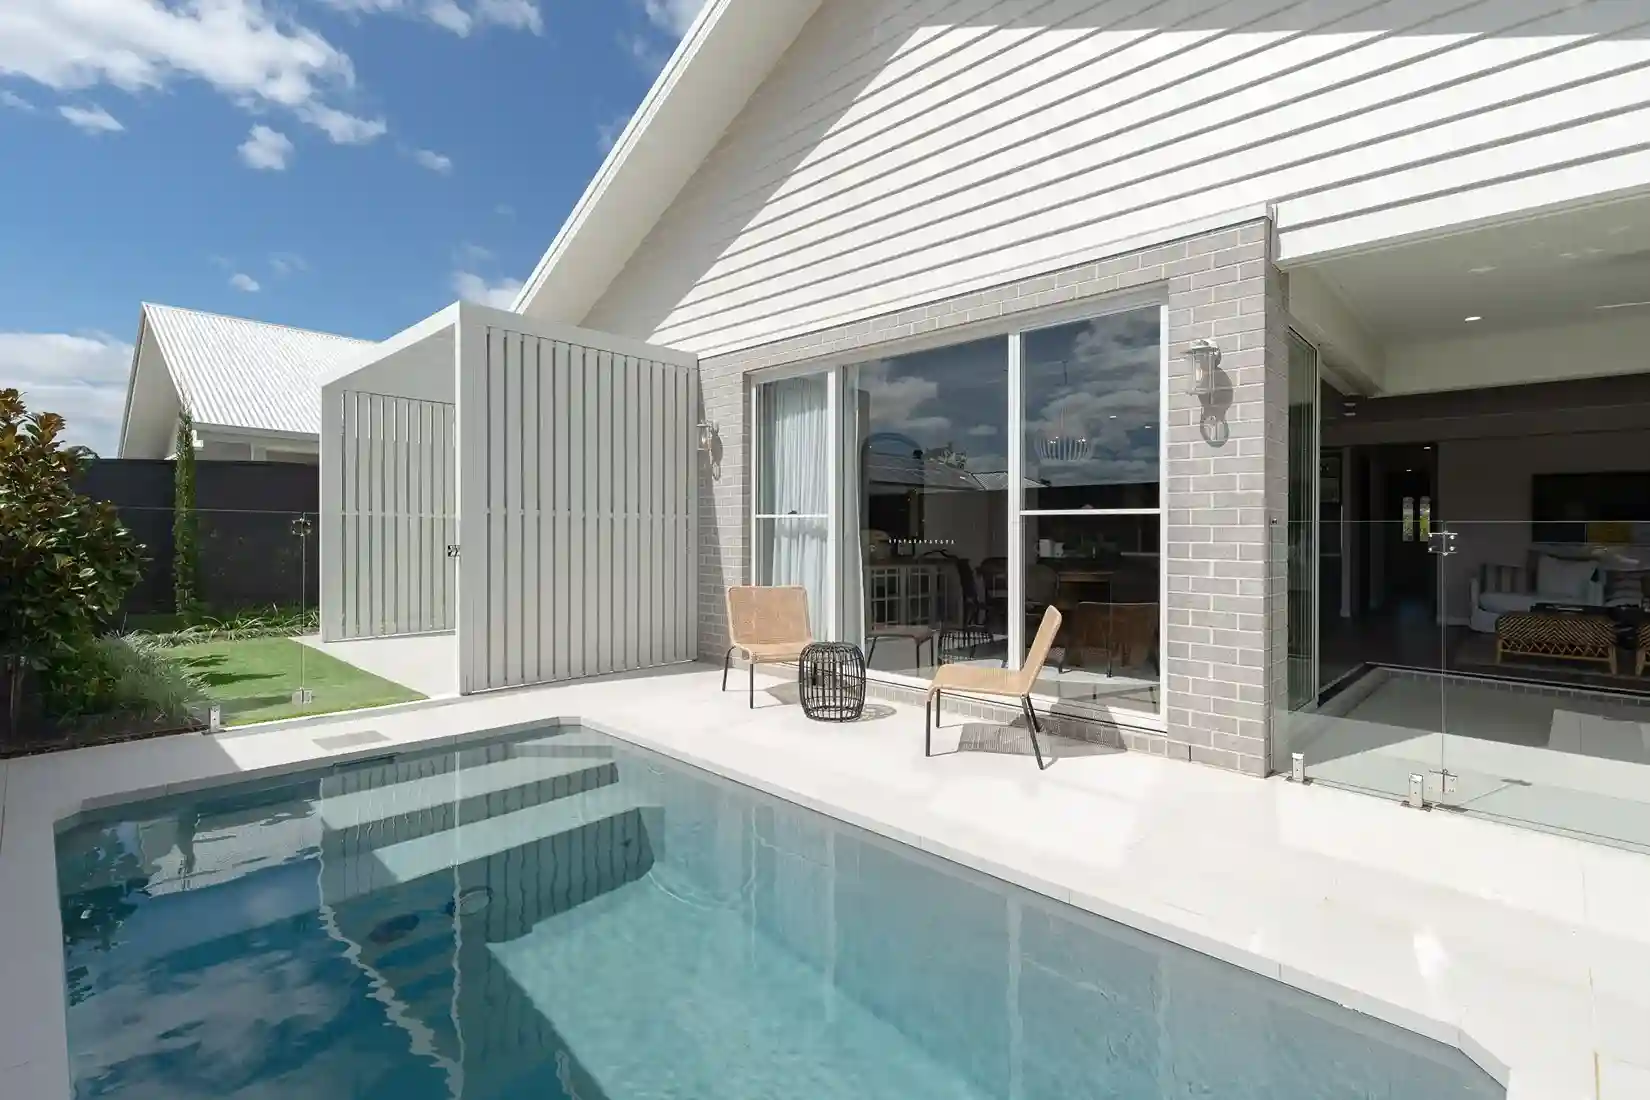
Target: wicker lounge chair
(765, 624)
(973, 680)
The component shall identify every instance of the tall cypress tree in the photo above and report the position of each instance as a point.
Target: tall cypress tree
(185, 551)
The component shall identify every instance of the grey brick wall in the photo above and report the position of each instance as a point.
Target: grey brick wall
(1225, 476)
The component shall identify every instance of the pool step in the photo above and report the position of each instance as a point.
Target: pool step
(378, 818)
(371, 868)
(399, 799)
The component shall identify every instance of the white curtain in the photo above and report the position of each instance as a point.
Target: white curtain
(793, 489)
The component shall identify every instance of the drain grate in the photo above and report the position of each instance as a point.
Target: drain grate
(470, 901)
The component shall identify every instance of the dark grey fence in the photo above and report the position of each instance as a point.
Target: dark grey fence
(252, 550)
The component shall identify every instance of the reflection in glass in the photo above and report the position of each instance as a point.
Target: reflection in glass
(792, 495)
(1092, 411)
(1303, 522)
(1092, 421)
(926, 578)
(1104, 573)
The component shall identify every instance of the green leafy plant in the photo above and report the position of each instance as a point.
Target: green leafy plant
(125, 676)
(67, 560)
(263, 623)
(185, 523)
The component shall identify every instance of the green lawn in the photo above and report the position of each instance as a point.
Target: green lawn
(254, 679)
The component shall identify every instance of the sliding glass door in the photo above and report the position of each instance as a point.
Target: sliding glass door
(1090, 520)
(927, 507)
(935, 503)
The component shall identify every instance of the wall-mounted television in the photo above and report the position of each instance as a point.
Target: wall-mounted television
(1612, 507)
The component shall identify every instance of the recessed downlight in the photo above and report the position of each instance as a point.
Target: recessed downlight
(1484, 270)
(1473, 318)
(1622, 305)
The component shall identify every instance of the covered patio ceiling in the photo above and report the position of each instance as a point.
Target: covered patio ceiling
(1575, 282)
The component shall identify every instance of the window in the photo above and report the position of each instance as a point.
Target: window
(792, 495)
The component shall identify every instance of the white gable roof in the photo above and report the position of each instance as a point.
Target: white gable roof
(235, 373)
(723, 59)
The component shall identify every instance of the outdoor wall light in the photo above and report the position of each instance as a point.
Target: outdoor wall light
(1205, 357)
(707, 433)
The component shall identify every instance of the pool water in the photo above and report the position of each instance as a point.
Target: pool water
(559, 916)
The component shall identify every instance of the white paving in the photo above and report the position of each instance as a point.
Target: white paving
(1529, 950)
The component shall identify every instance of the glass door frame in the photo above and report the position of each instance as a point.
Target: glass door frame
(842, 472)
(831, 628)
(1314, 517)
(1018, 512)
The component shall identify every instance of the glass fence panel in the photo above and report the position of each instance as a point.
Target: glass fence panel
(1546, 702)
(1372, 643)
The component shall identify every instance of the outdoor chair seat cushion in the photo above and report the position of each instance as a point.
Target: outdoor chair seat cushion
(979, 679)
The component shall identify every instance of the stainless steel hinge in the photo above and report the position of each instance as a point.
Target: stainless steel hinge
(1442, 543)
(452, 549)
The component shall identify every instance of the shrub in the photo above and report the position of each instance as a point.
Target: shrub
(67, 560)
(274, 622)
(129, 676)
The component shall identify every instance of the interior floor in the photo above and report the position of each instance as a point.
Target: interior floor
(1410, 638)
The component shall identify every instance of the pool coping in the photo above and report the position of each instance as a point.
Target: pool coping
(1162, 921)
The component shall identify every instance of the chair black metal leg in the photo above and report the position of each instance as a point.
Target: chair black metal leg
(727, 662)
(928, 726)
(752, 667)
(1031, 725)
(870, 649)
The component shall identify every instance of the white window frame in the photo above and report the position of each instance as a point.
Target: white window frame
(835, 369)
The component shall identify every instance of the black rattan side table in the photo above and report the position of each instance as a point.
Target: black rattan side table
(830, 677)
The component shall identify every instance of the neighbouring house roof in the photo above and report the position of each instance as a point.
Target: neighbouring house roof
(731, 48)
(229, 372)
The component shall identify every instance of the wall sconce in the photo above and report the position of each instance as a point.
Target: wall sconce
(1205, 357)
(707, 433)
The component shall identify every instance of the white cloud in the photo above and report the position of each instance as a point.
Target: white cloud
(93, 119)
(267, 150)
(341, 126)
(244, 282)
(504, 210)
(434, 161)
(81, 377)
(256, 57)
(520, 15)
(453, 15)
(448, 15)
(672, 16)
(473, 288)
(609, 132)
(287, 263)
(14, 101)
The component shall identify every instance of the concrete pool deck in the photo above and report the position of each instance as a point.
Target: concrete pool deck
(1529, 951)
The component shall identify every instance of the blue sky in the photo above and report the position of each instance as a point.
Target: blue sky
(343, 165)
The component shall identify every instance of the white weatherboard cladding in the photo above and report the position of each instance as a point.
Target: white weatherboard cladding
(578, 503)
(907, 149)
(397, 490)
